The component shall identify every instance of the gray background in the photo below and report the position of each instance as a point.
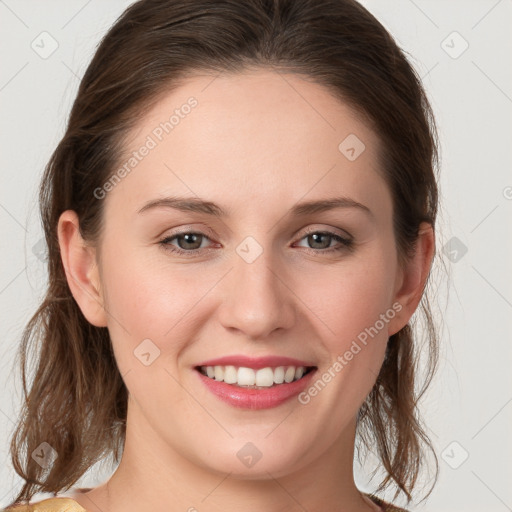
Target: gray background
(469, 406)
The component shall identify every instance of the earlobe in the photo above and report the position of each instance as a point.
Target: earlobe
(82, 273)
(412, 278)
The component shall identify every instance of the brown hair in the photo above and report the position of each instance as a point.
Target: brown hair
(77, 401)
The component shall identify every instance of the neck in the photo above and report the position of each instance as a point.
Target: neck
(155, 476)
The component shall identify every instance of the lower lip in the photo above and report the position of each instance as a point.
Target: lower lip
(250, 398)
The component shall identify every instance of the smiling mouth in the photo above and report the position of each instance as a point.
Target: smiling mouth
(250, 378)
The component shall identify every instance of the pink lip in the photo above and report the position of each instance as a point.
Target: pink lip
(255, 362)
(250, 398)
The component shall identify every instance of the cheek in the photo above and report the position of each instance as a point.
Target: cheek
(352, 296)
(148, 297)
(146, 301)
(356, 306)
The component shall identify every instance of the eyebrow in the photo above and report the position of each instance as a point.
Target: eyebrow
(194, 204)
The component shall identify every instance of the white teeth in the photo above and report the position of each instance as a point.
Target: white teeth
(264, 377)
(289, 374)
(230, 375)
(279, 375)
(219, 373)
(246, 376)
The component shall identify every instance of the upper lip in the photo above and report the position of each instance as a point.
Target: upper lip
(255, 362)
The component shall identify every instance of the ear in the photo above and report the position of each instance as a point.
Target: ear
(82, 272)
(411, 279)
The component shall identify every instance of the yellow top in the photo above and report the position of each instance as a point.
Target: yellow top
(70, 505)
(50, 505)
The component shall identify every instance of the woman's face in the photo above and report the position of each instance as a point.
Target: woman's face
(258, 280)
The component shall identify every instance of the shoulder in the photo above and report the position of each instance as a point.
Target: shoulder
(49, 505)
(386, 507)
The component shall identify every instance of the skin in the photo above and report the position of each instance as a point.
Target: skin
(256, 144)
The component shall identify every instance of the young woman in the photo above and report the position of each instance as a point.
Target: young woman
(240, 224)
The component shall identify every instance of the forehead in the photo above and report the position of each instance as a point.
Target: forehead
(240, 139)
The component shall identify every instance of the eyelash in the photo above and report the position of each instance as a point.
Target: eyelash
(346, 243)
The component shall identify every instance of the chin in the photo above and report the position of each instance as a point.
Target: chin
(251, 463)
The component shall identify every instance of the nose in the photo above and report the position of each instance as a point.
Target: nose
(256, 298)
